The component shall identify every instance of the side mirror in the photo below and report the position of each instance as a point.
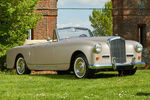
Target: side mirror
(48, 39)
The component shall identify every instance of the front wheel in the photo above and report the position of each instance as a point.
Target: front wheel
(81, 69)
(21, 67)
(127, 72)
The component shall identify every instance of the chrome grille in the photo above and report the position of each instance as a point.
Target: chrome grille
(117, 49)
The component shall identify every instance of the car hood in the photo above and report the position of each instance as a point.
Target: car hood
(98, 39)
(92, 39)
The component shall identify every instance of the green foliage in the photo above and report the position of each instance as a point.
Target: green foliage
(17, 17)
(102, 20)
(105, 86)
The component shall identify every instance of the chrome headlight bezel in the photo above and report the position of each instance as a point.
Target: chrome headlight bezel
(98, 48)
(138, 48)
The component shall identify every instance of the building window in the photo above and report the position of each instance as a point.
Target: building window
(29, 34)
(142, 3)
(142, 34)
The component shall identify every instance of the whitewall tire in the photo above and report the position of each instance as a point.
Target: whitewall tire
(21, 67)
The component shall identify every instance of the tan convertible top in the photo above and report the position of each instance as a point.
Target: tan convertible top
(35, 42)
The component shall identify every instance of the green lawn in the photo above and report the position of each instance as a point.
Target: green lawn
(106, 86)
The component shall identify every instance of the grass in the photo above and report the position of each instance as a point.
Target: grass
(107, 86)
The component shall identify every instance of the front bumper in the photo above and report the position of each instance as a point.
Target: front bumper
(117, 66)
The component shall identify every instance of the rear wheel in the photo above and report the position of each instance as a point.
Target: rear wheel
(21, 67)
(127, 72)
(81, 69)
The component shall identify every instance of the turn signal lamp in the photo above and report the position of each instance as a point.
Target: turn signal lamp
(97, 58)
(139, 57)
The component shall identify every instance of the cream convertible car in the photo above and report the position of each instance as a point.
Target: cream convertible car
(76, 49)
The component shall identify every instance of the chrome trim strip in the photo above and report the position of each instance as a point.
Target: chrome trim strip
(105, 56)
(112, 66)
(130, 55)
(100, 66)
(115, 38)
(50, 64)
(139, 64)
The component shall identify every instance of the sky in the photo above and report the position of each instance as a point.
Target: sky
(68, 18)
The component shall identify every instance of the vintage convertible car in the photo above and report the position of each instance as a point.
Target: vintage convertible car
(77, 49)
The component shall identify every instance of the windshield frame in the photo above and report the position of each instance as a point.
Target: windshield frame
(81, 28)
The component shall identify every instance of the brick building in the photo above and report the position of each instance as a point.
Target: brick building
(131, 19)
(48, 23)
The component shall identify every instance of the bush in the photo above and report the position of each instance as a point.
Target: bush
(16, 18)
(101, 20)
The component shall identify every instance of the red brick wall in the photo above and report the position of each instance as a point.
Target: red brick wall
(127, 17)
(46, 26)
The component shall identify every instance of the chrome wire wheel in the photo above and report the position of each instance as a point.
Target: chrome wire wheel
(20, 66)
(80, 67)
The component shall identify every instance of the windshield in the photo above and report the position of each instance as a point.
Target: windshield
(65, 33)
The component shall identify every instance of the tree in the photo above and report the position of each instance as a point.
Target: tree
(101, 20)
(16, 18)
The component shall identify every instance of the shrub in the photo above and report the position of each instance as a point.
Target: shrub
(16, 18)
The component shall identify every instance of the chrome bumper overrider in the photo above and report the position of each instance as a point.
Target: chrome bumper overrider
(116, 65)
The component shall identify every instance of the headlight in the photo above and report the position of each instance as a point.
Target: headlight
(138, 48)
(98, 48)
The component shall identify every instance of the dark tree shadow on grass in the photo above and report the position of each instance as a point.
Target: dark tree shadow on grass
(55, 76)
(143, 94)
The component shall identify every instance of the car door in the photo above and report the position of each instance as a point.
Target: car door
(61, 55)
(41, 57)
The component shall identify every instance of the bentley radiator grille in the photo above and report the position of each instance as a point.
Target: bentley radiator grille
(118, 50)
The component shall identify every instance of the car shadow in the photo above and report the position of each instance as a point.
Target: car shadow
(143, 94)
(55, 76)
(103, 75)
(72, 76)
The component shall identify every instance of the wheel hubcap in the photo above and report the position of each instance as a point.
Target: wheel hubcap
(20, 66)
(79, 67)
